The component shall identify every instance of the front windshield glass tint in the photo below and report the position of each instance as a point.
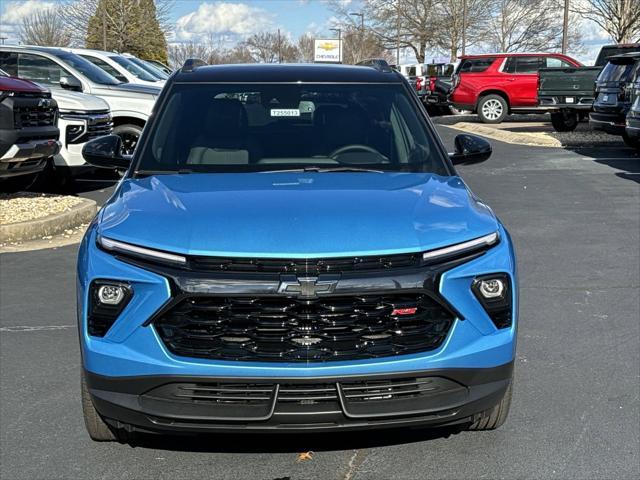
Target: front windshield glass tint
(88, 69)
(134, 69)
(238, 128)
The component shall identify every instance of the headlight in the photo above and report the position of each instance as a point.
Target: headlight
(141, 252)
(493, 291)
(464, 247)
(107, 300)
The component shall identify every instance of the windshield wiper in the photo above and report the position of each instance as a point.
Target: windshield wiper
(325, 170)
(146, 173)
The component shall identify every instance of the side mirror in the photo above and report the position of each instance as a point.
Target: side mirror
(470, 149)
(106, 152)
(70, 83)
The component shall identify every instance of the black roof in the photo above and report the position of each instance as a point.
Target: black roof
(275, 73)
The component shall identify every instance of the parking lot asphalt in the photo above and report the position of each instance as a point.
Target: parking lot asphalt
(575, 219)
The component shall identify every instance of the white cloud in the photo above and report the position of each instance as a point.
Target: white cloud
(12, 13)
(222, 19)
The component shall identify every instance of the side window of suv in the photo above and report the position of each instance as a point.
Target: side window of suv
(40, 69)
(9, 63)
(476, 64)
(524, 65)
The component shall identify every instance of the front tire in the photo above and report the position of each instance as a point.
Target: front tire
(130, 134)
(97, 428)
(492, 109)
(495, 416)
(631, 142)
(564, 121)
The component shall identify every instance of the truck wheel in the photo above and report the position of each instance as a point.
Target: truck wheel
(631, 142)
(130, 134)
(564, 121)
(492, 109)
(496, 416)
(97, 428)
(20, 183)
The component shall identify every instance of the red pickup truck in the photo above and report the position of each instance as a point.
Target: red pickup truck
(496, 84)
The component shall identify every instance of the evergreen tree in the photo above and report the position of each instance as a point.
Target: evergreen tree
(130, 26)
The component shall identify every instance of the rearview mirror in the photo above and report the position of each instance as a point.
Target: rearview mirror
(106, 152)
(470, 149)
(70, 83)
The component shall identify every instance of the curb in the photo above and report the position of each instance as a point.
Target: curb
(531, 139)
(54, 224)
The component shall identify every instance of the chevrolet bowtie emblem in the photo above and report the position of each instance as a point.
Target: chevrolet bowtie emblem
(327, 46)
(306, 287)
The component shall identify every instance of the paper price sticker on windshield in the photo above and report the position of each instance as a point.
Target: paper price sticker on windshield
(285, 112)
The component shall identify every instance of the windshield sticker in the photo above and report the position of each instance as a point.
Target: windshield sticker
(285, 112)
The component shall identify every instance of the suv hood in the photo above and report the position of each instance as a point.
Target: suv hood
(295, 214)
(137, 88)
(78, 102)
(20, 85)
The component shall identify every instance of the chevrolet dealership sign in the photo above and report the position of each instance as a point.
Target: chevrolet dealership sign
(327, 51)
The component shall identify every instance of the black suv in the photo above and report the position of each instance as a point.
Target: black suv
(632, 129)
(614, 88)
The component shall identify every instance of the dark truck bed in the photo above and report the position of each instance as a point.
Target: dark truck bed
(567, 87)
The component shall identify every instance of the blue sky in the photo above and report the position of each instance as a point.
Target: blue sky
(230, 20)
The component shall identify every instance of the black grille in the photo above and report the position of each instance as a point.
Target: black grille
(304, 266)
(34, 116)
(388, 389)
(99, 127)
(238, 393)
(286, 329)
(305, 394)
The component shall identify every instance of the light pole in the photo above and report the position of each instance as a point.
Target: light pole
(339, 31)
(464, 28)
(398, 33)
(565, 27)
(361, 15)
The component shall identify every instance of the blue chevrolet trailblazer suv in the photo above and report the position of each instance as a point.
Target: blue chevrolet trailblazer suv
(291, 249)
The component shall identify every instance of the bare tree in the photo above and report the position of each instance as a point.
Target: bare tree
(527, 25)
(619, 18)
(180, 52)
(358, 45)
(306, 48)
(472, 17)
(270, 47)
(398, 23)
(44, 27)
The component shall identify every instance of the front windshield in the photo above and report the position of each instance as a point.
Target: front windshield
(88, 69)
(151, 70)
(133, 68)
(273, 127)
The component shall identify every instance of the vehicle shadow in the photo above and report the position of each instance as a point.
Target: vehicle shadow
(289, 443)
(620, 158)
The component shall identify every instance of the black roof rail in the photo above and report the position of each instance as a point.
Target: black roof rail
(190, 64)
(379, 64)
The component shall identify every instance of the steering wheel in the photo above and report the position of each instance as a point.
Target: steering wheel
(355, 146)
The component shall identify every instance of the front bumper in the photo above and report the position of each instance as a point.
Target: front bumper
(182, 404)
(27, 157)
(131, 359)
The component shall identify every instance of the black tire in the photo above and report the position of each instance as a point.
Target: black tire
(53, 179)
(97, 428)
(564, 121)
(631, 142)
(130, 134)
(496, 416)
(492, 109)
(20, 183)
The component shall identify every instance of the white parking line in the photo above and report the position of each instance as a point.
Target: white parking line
(29, 328)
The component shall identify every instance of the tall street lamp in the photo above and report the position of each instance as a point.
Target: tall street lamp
(361, 15)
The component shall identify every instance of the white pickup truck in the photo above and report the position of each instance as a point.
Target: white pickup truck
(57, 69)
